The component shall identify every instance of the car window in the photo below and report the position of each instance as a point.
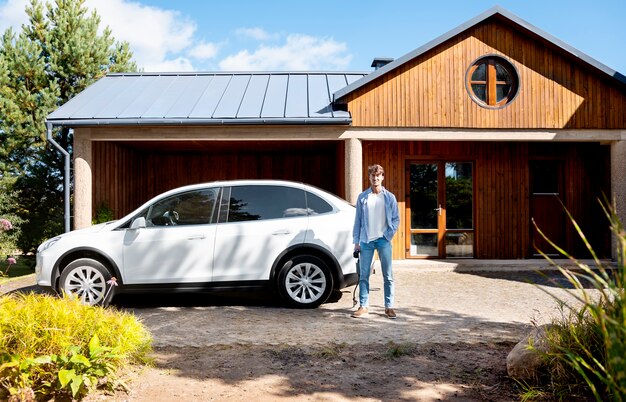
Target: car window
(316, 205)
(190, 208)
(251, 203)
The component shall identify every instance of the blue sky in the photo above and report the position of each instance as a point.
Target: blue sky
(344, 35)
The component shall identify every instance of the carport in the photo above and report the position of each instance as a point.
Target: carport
(137, 135)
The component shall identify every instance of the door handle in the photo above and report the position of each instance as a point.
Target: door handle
(281, 232)
(438, 209)
(196, 237)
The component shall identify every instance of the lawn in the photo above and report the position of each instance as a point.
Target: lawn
(25, 266)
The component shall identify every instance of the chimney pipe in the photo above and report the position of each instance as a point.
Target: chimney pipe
(379, 62)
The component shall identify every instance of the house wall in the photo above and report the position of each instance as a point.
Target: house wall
(127, 174)
(501, 183)
(429, 91)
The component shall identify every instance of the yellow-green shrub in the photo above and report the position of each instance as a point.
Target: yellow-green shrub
(37, 331)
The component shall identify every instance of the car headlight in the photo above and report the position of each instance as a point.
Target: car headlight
(47, 244)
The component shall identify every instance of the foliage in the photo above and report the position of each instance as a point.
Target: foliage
(103, 214)
(588, 342)
(11, 227)
(395, 350)
(57, 54)
(24, 265)
(76, 374)
(60, 347)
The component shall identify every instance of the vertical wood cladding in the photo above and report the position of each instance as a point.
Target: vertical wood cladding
(502, 194)
(556, 91)
(125, 177)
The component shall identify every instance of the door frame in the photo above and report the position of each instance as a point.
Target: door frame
(441, 230)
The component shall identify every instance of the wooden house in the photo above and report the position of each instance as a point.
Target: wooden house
(481, 131)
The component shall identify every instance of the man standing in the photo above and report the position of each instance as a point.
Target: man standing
(375, 224)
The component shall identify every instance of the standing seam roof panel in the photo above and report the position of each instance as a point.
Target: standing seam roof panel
(153, 87)
(192, 88)
(163, 103)
(80, 100)
(208, 102)
(297, 96)
(253, 99)
(275, 97)
(206, 98)
(319, 98)
(122, 100)
(97, 103)
(231, 100)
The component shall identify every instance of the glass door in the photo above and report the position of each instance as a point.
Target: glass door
(441, 212)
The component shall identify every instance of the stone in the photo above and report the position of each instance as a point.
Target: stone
(524, 362)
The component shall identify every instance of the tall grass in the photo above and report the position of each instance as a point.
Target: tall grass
(588, 342)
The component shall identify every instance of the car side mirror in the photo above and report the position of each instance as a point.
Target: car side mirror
(138, 223)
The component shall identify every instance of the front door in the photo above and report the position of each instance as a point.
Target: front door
(440, 209)
(547, 184)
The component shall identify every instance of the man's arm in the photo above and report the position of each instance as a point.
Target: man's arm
(356, 229)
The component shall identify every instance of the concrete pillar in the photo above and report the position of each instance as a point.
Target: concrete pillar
(618, 181)
(354, 169)
(82, 181)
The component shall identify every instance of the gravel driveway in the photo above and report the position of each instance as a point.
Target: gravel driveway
(433, 305)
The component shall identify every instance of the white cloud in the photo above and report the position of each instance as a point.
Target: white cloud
(155, 35)
(165, 40)
(204, 51)
(256, 33)
(12, 15)
(300, 52)
(178, 64)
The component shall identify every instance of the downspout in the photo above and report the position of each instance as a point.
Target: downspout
(66, 177)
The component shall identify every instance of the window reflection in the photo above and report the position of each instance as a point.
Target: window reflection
(459, 190)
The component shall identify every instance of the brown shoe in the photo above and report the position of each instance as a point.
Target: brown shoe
(390, 313)
(361, 312)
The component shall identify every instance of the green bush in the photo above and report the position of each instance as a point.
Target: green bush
(10, 223)
(103, 214)
(588, 342)
(58, 347)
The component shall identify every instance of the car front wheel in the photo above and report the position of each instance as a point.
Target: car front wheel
(305, 282)
(88, 280)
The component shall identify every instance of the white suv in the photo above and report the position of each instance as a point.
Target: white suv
(289, 237)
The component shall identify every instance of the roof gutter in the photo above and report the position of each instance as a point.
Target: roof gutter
(66, 176)
(197, 122)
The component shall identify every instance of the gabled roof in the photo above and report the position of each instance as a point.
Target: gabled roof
(495, 12)
(207, 99)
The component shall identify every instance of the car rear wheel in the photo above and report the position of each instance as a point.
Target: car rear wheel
(89, 281)
(305, 282)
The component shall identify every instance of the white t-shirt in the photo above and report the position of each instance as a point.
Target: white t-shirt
(376, 216)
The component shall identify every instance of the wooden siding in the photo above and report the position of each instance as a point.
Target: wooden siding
(501, 175)
(556, 91)
(128, 174)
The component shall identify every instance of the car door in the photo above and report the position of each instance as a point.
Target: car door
(256, 224)
(176, 246)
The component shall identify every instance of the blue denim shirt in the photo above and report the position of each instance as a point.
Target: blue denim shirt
(359, 232)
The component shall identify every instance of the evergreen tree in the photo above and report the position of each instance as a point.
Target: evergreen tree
(57, 54)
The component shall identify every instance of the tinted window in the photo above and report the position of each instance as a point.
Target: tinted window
(192, 208)
(317, 205)
(251, 203)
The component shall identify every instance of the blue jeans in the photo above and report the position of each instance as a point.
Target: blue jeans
(383, 246)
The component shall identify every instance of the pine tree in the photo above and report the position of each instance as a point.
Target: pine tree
(57, 54)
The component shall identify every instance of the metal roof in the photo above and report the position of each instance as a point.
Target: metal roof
(208, 98)
(496, 11)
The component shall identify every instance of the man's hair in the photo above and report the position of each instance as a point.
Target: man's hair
(375, 169)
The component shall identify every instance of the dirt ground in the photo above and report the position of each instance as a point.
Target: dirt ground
(449, 343)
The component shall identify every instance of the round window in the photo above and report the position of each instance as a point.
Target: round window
(492, 82)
